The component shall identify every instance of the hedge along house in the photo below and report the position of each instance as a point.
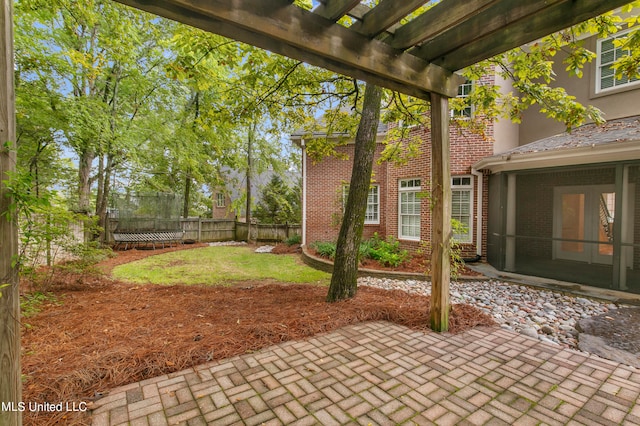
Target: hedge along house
(567, 205)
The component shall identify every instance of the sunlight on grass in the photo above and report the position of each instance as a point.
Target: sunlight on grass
(218, 265)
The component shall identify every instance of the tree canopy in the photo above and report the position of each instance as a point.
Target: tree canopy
(113, 99)
(279, 203)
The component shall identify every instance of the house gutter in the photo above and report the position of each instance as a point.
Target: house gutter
(479, 175)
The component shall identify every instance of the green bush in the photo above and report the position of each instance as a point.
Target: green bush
(89, 253)
(31, 303)
(325, 249)
(387, 252)
(365, 249)
(294, 239)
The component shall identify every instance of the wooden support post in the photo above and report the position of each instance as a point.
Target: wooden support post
(10, 384)
(510, 224)
(440, 213)
(618, 220)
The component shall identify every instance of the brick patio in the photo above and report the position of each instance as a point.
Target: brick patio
(385, 374)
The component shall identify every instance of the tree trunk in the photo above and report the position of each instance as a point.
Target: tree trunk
(187, 196)
(10, 384)
(345, 269)
(84, 180)
(100, 196)
(247, 214)
(188, 181)
(102, 202)
(100, 182)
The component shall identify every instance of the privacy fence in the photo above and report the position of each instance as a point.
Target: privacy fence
(209, 230)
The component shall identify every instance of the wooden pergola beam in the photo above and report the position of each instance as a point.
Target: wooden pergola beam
(499, 15)
(382, 17)
(289, 30)
(444, 15)
(335, 9)
(507, 25)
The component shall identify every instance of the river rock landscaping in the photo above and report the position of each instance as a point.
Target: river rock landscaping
(549, 316)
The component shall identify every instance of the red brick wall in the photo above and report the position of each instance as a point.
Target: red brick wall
(325, 178)
(222, 212)
(324, 195)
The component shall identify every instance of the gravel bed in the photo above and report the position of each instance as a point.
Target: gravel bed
(546, 315)
(227, 243)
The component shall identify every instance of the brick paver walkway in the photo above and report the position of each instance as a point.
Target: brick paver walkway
(385, 374)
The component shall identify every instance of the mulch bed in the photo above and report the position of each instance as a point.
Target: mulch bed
(106, 333)
(416, 264)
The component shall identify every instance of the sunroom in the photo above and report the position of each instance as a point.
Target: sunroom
(568, 207)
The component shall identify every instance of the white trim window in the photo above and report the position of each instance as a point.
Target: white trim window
(462, 206)
(372, 215)
(409, 209)
(220, 199)
(464, 91)
(608, 53)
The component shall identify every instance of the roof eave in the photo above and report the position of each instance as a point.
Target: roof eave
(617, 151)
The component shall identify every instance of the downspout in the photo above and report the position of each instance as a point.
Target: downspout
(480, 177)
(304, 193)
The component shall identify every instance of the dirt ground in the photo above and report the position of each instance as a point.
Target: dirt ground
(103, 333)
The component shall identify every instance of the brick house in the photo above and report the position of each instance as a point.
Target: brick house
(221, 204)
(396, 206)
(536, 200)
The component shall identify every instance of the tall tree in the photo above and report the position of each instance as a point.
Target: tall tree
(38, 138)
(251, 135)
(278, 203)
(201, 133)
(99, 64)
(246, 98)
(345, 270)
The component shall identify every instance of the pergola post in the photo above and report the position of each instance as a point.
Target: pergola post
(440, 213)
(10, 384)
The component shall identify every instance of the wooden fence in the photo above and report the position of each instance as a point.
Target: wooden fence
(205, 230)
(265, 232)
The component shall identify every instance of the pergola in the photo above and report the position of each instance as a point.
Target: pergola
(389, 44)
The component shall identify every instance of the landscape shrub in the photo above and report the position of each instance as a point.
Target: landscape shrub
(325, 248)
(386, 251)
(293, 240)
(455, 250)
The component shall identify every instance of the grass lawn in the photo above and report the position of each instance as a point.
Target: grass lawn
(218, 266)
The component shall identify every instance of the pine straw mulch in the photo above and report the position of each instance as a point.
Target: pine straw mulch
(105, 333)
